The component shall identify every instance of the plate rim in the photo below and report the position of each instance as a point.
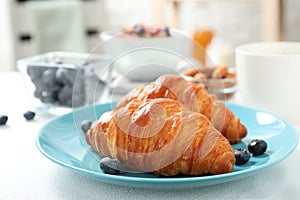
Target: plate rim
(198, 180)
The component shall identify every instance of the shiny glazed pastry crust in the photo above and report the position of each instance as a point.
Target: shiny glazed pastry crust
(160, 136)
(193, 97)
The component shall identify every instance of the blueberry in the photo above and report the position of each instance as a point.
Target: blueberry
(86, 125)
(110, 166)
(60, 76)
(35, 72)
(71, 75)
(242, 156)
(29, 115)
(79, 90)
(48, 75)
(3, 119)
(257, 147)
(65, 96)
(167, 31)
(49, 97)
(139, 31)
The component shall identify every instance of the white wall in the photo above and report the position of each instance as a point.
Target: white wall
(292, 20)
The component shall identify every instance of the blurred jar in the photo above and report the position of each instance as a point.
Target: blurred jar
(221, 53)
(202, 38)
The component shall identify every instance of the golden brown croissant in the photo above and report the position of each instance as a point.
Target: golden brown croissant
(193, 97)
(158, 136)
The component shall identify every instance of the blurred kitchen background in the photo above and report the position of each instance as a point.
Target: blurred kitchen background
(33, 27)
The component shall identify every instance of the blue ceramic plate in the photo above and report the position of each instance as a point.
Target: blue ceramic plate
(62, 141)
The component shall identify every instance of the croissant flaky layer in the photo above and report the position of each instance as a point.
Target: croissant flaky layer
(193, 97)
(159, 136)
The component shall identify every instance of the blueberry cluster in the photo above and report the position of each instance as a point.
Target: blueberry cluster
(256, 147)
(54, 84)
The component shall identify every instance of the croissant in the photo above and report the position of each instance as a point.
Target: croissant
(194, 97)
(158, 136)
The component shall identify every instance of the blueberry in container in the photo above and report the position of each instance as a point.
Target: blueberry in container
(59, 81)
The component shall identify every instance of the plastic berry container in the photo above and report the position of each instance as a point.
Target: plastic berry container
(56, 82)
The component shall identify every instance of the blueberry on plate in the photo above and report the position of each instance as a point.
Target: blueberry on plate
(242, 156)
(110, 166)
(3, 119)
(86, 125)
(29, 115)
(257, 147)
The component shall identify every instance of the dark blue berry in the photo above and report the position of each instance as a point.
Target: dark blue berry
(110, 166)
(60, 76)
(257, 147)
(242, 156)
(65, 96)
(167, 31)
(86, 125)
(139, 31)
(48, 75)
(29, 115)
(66, 76)
(3, 119)
(49, 97)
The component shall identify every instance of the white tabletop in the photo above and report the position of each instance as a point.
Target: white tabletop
(26, 174)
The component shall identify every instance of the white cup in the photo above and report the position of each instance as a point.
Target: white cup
(268, 75)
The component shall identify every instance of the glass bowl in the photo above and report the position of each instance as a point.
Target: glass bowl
(59, 81)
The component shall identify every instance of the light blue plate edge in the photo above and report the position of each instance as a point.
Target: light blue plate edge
(170, 182)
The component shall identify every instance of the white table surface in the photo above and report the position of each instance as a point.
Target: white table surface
(26, 174)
